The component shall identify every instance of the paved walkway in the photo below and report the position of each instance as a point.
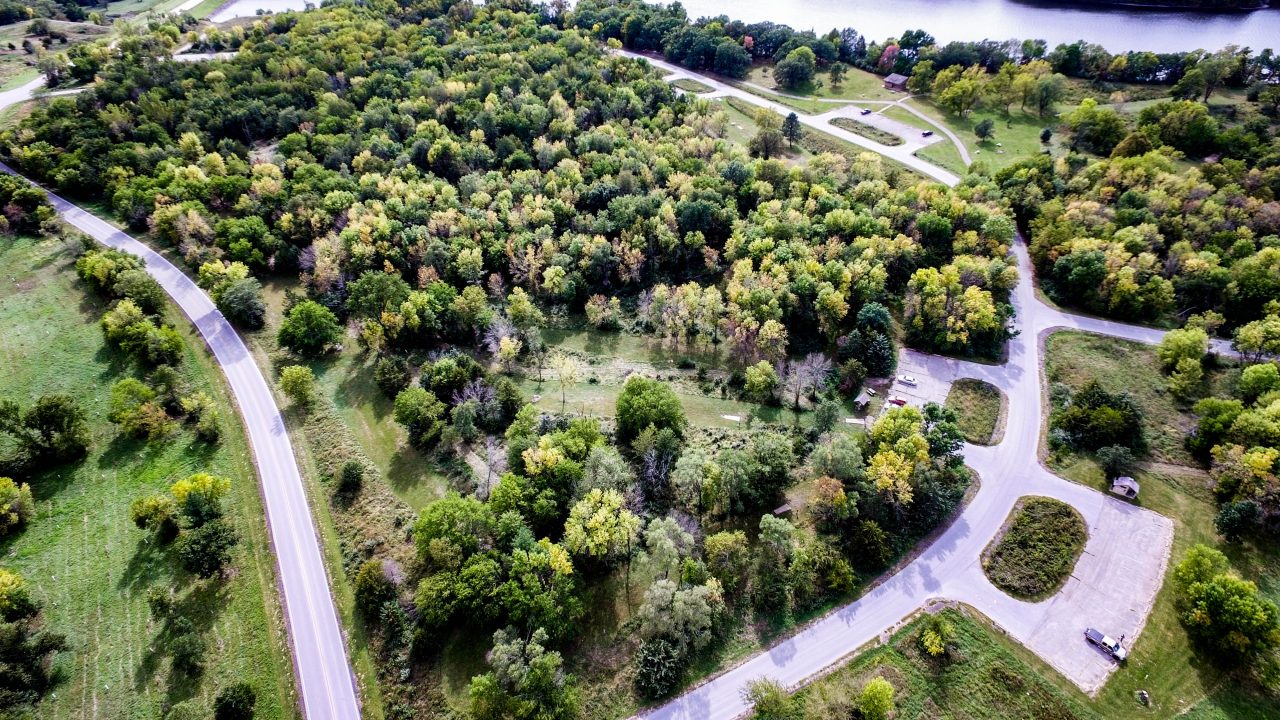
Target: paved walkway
(325, 682)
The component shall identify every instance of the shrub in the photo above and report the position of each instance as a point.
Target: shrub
(235, 702)
(206, 550)
(16, 505)
(373, 588)
(351, 478)
(1036, 554)
(391, 374)
(299, 384)
(659, 666)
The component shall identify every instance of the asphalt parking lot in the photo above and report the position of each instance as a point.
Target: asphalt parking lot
(930, 387)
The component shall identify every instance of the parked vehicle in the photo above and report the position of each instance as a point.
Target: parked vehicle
(907, 380)
(866, 111)
(1108, 643)
(898, 401)
(926, 133)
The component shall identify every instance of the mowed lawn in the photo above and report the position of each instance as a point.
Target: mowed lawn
(83, 557)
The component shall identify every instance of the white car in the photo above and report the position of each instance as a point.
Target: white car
(1108, 643)
(907, 380)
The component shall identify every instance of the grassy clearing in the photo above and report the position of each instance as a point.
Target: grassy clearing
(1037, 549)
(988, 676)
(871, 133)
(1017, 135)
(816, 141)
(17, 66)
(1074, 358)
(691, 85)
(857, 85)
(980, 406)
(84, 558)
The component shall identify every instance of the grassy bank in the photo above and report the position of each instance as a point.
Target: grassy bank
(84, 558)
(987, 677)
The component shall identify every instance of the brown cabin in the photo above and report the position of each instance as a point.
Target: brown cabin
(896, 82)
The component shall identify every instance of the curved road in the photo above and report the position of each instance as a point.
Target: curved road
(325, 682)
(900, 153)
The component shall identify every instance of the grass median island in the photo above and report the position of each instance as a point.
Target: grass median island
(871, 133)
(979, 405)
(1037, 550)
(83, 558)
(691, 85)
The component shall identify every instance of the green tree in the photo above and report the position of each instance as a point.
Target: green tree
(309, 328)
(985, 130)
(422, 416)
(767, 142)
(601, 528)
(1220, 610)
(791, 129)
(241, 302)
(659, 667)
(761, 381)
(876, 699)
(206, 550)
(769, 701)
(644, 402)
(796, 69)
(52, 429)
(527, 681)
(727, 557)
(199, 497)
(16, 505)
(1179, 344)
(837, 73)
(299, 384)
(235, 702)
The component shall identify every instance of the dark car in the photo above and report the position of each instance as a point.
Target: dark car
(866, 111)
(926, 133)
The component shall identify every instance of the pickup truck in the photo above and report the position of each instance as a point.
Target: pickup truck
(1106, 642)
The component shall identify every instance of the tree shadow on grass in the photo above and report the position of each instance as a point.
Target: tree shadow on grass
(151, 561)
(408, 471)
(201, 606)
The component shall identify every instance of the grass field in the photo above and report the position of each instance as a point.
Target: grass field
(1037, 549)
(84, 558)
(1074, 358)
(980, 406)
(1017, 135)
(987, 677)
(691, 85)
(871, 133)
(17, 66)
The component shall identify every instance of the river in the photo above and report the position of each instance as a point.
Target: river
(1116, 29)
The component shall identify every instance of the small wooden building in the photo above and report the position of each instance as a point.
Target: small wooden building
(1125, 487)
(896, 82)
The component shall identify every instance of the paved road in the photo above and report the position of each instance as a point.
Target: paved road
(325, 682)
(900, 153)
